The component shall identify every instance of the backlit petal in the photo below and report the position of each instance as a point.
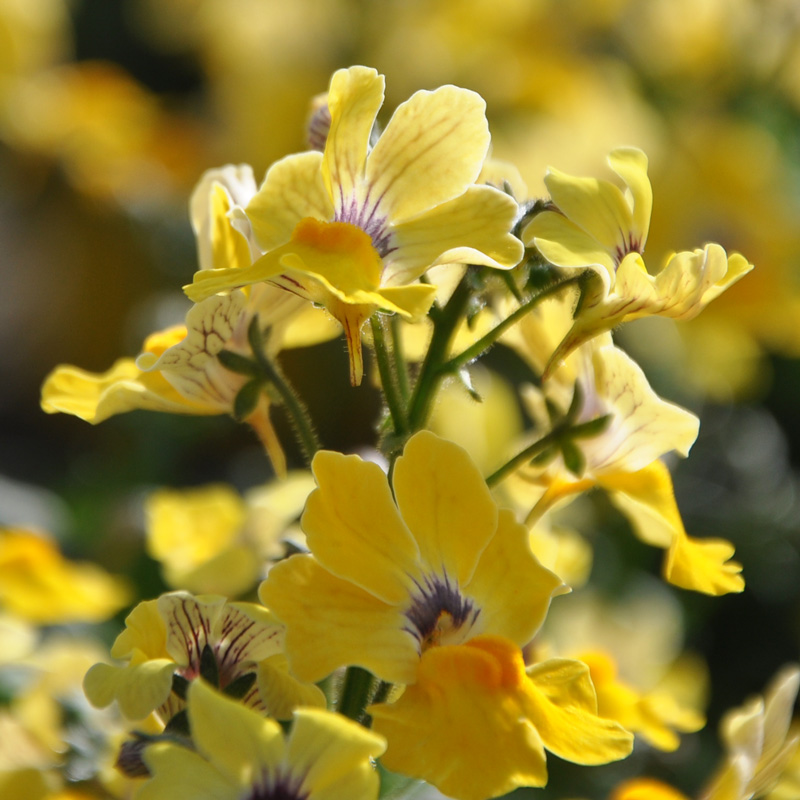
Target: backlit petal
(354, 98)
(430, 152)
(292, 190)
(446, 504)
(138, 689)
(354, 529)
(472, 228)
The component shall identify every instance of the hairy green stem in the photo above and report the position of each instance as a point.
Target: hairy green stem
(355, 694)
(387, 367)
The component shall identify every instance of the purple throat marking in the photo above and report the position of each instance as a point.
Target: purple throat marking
(438, 596)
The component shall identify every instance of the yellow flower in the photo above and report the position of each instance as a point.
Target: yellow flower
(624, 457)
(38, 584)
(353, 227)
(179, 369)
(179, 638)
(417, 588)
(212, 540)
(599, 227)
(240, 754)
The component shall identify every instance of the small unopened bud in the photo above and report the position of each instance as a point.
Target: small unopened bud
(319, 123)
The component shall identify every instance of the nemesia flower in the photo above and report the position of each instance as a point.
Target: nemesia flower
(353, 227)
(39, 585)
(624, 457)
(441, 601)
(599, 227)
(760, 742)
(185, 636)
(179, 370)
(212, 540)
(241, 754)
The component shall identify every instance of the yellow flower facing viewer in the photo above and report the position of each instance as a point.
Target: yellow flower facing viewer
(598, 226)
(239, 753)
(437, 590)
(186, 636)
(352, 228)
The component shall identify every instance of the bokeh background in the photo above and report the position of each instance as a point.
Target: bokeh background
(110, 110)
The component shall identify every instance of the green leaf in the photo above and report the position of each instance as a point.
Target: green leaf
(574, 460)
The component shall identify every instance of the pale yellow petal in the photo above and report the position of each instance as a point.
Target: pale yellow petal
(331, 751)
(430, 152)
(445, 503)
(242, 744)
(562, 705)
(138, 689)
(473, 228)
(281, 692)
(630, 164)
(354, 98)
(177, 769)
(354, 529)
(510, 586)
(292, 190)
(331, 623)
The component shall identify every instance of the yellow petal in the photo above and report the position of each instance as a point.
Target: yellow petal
(630, 164)
(330, 751)
(430, 152)
(354, 98)
(461, 726)
(292, 190)
(138, 689)
(178, 770)
(331, 623)
(510, 586)
(281, 692)
(446, 504)
(646, 497)
(96, 397)
(242, 744)
(473, 228)
(561, 703)
(144, 632)
(354, 528)
(646, 789)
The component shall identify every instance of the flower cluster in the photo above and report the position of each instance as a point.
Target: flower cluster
(405, 623)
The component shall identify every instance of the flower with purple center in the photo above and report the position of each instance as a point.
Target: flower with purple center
(353, 228)
(239, 755)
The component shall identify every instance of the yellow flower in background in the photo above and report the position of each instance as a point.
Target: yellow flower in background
(600, 227)
(38, 584)
(239, 645)
(241, 754)
(353, 227)
(623, 458)
(213, 540)
(441, 601)
(642, 678)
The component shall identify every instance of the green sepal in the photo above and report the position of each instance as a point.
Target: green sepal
(209, 669)
(236, 362)
(179, 686)
(247, 399)
(239, 687)
(178, 725)
(574, 460)
(594, 427)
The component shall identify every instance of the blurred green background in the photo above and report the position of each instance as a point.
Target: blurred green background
(110, 110)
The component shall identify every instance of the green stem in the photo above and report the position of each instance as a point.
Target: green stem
(388, 372)
(301, 421)
(486, 341)
(445, 321)
(527, 454)
(401, 368)
(355, 693)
